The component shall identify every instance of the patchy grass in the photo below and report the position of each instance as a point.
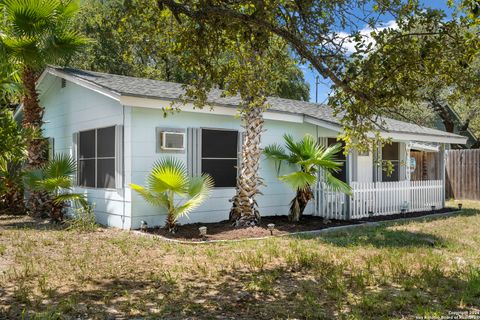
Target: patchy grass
(396, 270)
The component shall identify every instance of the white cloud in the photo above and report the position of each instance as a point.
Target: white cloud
(349, 44)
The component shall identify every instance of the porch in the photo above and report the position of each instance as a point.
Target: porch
(417, 182)
(370, 199)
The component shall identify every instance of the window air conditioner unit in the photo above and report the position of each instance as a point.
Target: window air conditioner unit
(173, 140)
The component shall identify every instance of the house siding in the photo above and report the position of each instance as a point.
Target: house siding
(276, 195)
(75, 108)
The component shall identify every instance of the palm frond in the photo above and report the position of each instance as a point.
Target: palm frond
(63, 44)
(200, 188)
(53, 185)
(155, 199)
(298, 179)
(293, 147)
(168, 174)
(39, 32)
(32, 177)
(78, 199)
(30, 17)
(53, 176)
(61, 165)
(168, 177)
(277, 153)
(327, 159)
(336, 184)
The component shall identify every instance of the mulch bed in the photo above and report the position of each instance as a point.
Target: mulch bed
(224, 230)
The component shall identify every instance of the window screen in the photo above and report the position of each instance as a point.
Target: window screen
(220, 156)
(96, 161)
(342, 173)
(391, 152)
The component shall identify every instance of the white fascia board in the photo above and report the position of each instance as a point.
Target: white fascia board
(142, 102)
(423, 147)
(405, 137)
(86, 84)
(396, 136)
(324, 124)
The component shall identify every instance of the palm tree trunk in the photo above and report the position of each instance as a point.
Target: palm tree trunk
(244, 208)
(38, 202)
(170, 224)
(32, 119)
(299, 203)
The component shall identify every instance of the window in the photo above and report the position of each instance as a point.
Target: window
(220, 155)
(391, 152)
(96, 158)
(173, 140)
(342, 173)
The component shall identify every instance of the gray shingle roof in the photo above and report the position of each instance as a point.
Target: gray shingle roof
(139, 87)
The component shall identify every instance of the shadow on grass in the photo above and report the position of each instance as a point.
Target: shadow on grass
(322, 290)
(381, 237)
(33, 224)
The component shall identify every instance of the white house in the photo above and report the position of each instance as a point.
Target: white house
(115, 127)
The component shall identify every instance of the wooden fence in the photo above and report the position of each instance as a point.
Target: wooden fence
(381, 198)
(463, 174)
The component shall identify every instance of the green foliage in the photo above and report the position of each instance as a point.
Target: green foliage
(373, 79)
(12, 138)
(135, 38)
(83, 220)
(12, 154)
(169, 179)
(307, 157)
(56, 178)
(39, 32)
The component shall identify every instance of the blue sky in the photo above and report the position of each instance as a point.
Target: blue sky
(324, 86)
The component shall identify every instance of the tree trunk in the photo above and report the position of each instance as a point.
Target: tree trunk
(299, 203)
(32, 119)
(170, 223)
(244, 210)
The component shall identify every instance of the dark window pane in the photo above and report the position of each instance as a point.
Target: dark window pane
(219, 144)
(106, 142)
(340, 156)
(86, 173)
(87, 144)
(394, 176)
(105, 173)
(341, 174)
(391, 151)
(223, 172)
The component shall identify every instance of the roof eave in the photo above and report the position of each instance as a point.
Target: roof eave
(79, 81)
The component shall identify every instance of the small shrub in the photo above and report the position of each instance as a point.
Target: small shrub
(83, 220)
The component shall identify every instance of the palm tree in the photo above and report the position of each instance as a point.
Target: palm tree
(35, 33)
(55, 178)
(169, 178)
(308, 157)
(244, 209)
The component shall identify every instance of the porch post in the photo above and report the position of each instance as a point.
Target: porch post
(349, 178)
(442, 171)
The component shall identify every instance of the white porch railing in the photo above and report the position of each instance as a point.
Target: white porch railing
(381, 198)
(331, 204)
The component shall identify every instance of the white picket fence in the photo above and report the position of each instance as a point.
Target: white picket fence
(381, 198)
(331, 204)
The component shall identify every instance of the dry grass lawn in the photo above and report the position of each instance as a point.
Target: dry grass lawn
(396, 270)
